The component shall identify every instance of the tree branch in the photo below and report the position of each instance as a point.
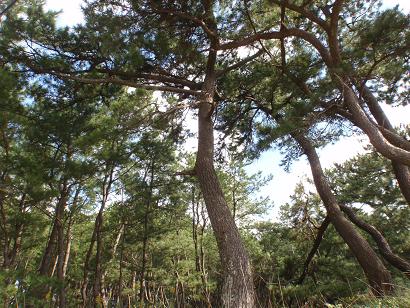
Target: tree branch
(305, 13)
(295, 32)
(319, 236)
(239, 63)
(384, 247)
(125, 83)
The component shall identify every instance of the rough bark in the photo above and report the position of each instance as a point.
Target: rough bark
(238, 290)
(384, 247)
(378, 276)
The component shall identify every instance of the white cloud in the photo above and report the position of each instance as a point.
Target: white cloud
(71, 13)
(403, 4)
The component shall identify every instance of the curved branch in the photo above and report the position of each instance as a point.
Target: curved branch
(199, 22)
(295, 32)
(305, 13)
(384, 247)
(319, 236)
(126, 83)
(376, 138)
(239, 63)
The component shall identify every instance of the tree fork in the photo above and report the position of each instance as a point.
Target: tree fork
(378, 276)
(319, 236)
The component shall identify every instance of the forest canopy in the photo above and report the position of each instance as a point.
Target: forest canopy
(103, 205)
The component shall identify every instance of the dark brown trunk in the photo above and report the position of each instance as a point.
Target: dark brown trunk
(46, 261)
(97, 294)
(18, 232)
(378, 276)
(55, 249)
(143, 286)
(384, 247)
(319, 236)
(238, 289)
(98, 298)
(84, 284)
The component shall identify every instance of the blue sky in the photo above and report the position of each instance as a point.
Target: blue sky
(283, 183)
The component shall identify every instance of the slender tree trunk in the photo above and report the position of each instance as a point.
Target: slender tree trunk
(197, 238)
(61, 259)
(319, 236)
(376, 138)
(145, 234)
(18, 233)
(97, 293)
(99, 300)
(401, 171)
(238, 288)
(84, 283)
(55, 248)
(384, 247)
(120, 278)
(378, 276)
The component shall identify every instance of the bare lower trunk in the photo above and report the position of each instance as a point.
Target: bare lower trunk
(238, 290)
(197, 237)
(143, 286)
(382, 244)
(319, 236)
(97, 294)
(55, 248)
(46, 261)
(84, 283)
(378, 276)
(61, 259)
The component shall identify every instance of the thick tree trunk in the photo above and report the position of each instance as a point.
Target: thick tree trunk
(384, 247)
(46, 260)
(378, 276)
(238, 289)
